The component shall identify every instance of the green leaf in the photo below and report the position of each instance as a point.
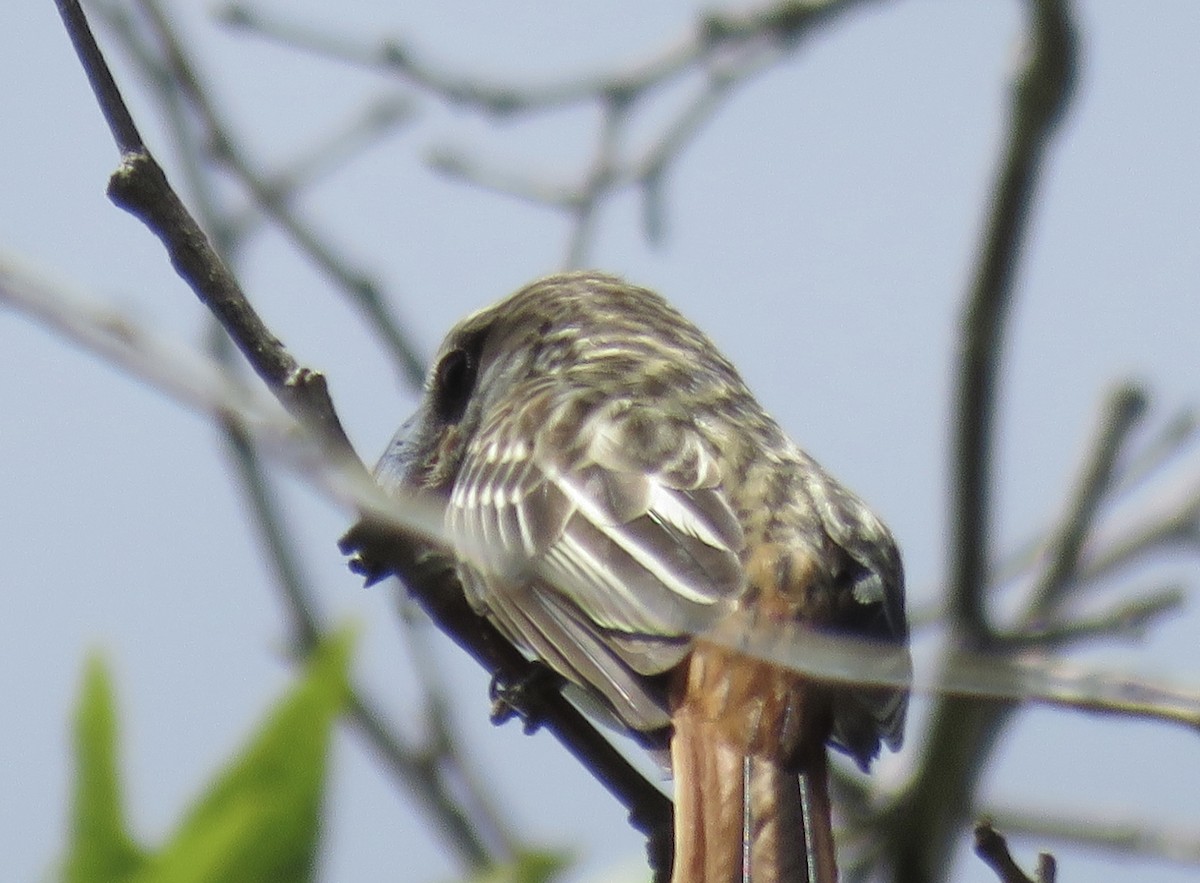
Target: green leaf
(260, 820)
(530, 866)
(99, 848)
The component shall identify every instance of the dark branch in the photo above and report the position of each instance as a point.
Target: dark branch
(1040, 95)
(140, 187)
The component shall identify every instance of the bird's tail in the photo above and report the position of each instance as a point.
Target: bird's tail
(747, 818)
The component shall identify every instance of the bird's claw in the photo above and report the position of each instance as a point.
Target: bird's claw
(521, 696)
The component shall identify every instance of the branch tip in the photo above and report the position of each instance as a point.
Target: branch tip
(991, 846)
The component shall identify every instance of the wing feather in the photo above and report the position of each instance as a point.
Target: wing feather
(603, 558)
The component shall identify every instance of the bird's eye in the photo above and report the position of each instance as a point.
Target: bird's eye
(453, 383)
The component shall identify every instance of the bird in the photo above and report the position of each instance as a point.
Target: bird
(612, 493)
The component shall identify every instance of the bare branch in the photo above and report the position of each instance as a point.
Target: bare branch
(457, 165)
(433, 580)
(140, 187)
(1041, 91)
(1002, 677)
(433, 774)
(1091, 689)
(962, 732)
(200, 384)
(726, 49)
(1172, 520)
(393, 56)
(204, 386)
(598, 181)
(208, 388)
(190, 378)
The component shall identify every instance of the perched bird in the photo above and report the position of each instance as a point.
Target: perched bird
(612, 492)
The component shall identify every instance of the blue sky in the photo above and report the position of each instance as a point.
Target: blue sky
(821, 228)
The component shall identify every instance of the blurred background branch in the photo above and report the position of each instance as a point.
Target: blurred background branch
(1006, 614)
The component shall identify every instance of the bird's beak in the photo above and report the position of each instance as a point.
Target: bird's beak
(392, 470)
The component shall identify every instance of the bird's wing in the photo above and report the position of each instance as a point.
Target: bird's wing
(599, 538)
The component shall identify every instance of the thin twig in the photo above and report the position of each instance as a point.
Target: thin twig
(207, 388)
(1001, 676)
(992, 295)
(598, 180)
(1121, 414)
(963, 732)
(650, 170)
(177, 80)
(1121, 541)
(1173, 521)
(433, 580)
(426, 770)
(108, 96)
(164, 364)
(1172, 439)
(776, 24)
(141, 188)
(393, 56)
(536, 190)
(210, 389)
(725, 48)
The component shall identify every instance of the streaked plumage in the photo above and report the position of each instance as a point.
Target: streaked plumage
(613, 491)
